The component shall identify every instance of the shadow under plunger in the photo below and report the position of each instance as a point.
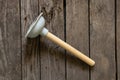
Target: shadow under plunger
(37, 28)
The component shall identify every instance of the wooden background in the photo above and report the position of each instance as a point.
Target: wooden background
(91, 26)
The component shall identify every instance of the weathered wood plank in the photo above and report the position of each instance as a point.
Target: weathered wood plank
(118, 38)
(10, 43)
(52, 56)
(77, 34)
(30, 47)
(102, 39)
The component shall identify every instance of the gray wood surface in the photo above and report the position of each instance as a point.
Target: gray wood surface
(118, 38)
(77, 34)
(52, 56)
(91, 26)
(30, 47)
(102, 39)
(10, 42)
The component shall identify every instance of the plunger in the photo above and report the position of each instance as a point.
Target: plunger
(37, 28)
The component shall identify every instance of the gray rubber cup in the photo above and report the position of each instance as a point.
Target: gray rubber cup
(37, 28)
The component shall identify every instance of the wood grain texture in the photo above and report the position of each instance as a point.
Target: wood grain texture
(77, 35)
(87, 25)
(10, 43)
(102, 39)
(30, 47)
(52, 56)
(118, 38)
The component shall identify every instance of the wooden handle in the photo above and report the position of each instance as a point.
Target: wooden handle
(69, 48)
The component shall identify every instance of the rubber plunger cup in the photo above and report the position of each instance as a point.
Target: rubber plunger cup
(37, 28)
